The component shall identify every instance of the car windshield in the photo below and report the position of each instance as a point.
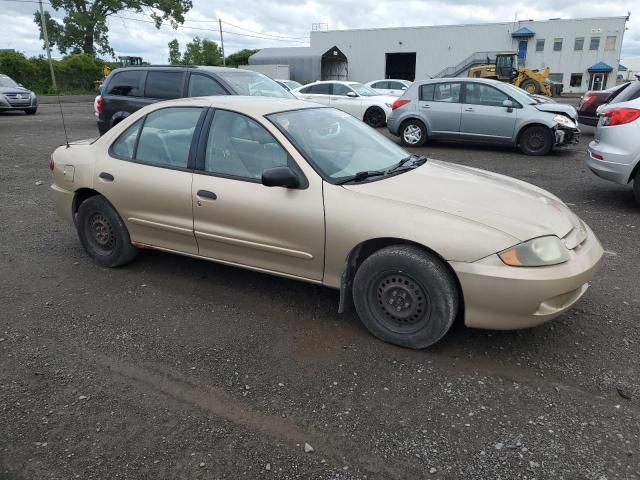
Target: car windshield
(362, 90)
(337, 144)
(254, 84)
(7, 82)
(519, 94)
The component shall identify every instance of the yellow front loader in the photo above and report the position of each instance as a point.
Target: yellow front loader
(506, 69)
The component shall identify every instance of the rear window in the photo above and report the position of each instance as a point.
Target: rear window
(164, 85)
(630, 93)
(127, 83)
(245, 82)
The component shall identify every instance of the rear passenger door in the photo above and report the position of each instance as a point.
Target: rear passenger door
(147, 175)
(319, 93)
(439, 104)
(484, 118)
(164, 85)
(123, 95)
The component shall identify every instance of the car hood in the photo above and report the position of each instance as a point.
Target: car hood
(558, 108)
(14, 89)
(516, 208)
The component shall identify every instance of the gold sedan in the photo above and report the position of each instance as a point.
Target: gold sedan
(306, 192)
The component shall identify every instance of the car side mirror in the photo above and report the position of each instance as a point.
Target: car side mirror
(351, 94)
(508, 104)
(280, 177)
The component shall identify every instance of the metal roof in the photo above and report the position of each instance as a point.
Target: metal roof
(523, 32)
(600, 67)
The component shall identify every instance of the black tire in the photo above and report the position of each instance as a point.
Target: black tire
(536, 140)
(636, 186)
(405, 296)
(413, 133)
(531, 86)
(31, 111)
(103, 234)
(375, 117)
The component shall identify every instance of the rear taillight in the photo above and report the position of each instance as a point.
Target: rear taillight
(619, 116)
(399, 103)
(589, 99)
(99, 104)
(52, 164)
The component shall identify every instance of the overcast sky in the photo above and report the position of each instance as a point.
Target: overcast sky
(288, 22)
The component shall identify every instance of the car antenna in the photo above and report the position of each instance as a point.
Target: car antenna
(64, 125)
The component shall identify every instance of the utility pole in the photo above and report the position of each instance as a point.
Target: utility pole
(224, 60)
(46, 44)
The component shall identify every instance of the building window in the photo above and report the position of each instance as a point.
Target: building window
(557, 45)
(576, 80)
(540, 45)
(595, 43)
(579, 44)
(610, 44)
(556, 77)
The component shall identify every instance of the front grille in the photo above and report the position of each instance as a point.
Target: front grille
(18, 98)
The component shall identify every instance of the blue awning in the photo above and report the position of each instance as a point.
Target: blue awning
(622, 68)
(523, 32)
(600, 67)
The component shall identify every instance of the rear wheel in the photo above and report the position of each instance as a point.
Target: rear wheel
(375, 117)
(413, 133)
(103, 234)
(536, 140)
(405, 296)
(531, 86)
(636, 187)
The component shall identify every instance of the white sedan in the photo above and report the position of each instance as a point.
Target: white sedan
(351, 97)
(390, 86)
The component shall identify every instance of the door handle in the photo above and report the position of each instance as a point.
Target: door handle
(107, 177)
(469, 109)
(207, 194)
(426, 106)
(308, 98)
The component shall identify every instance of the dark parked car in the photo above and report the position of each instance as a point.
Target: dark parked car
(14, 96)
(592, 99)
(128, 89)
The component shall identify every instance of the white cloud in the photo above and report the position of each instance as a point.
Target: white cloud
(293, 19)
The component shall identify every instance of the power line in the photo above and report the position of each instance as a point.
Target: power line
(261, 33)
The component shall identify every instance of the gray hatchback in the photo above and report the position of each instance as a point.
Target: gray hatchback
(481, 110)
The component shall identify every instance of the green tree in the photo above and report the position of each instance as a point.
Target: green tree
(202, 52)
(175, 57)
(240, 58)
(84, 28)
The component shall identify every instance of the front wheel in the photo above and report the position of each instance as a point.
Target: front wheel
(103, 234)
(536, 140)
(31, 111)
(405, 296)
(375, 117)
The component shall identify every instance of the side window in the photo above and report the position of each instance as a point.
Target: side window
(447, 92)
(238, 146)
(478, 94)
(396, 85)
(426, 92)
(305, 90)
(340, 89)
(164, 85)
(320, 89)
(127, 83)
(166, 136)
(203, 86)
(125, 146)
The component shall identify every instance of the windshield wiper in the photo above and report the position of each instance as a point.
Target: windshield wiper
(358, 177)
(418, 160)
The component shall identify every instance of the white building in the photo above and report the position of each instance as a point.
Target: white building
(582, 54)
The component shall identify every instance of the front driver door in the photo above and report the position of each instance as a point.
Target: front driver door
(241, 221)
(353, 105)
(147, 173)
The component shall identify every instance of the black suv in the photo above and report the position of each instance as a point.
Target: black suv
(128, 89)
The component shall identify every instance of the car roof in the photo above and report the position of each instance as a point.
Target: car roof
(488, 81)
(252, 106)
(180, 67)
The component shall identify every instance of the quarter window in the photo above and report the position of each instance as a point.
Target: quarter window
(426, 92)
(165, 139)
(540, 45)
(595, 43)
(578, 45)
(240, 147)
(125, 146)
(396, 86)
(557, 45)
(203, 86)
(127, 84)
(164, 85)
(479, 94)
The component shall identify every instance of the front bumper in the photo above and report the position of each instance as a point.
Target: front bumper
(500, 297)
(565, 136)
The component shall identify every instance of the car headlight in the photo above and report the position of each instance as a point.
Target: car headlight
(539, 252)
(564, 121)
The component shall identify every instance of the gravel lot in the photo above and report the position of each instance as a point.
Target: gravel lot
(184, 369)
